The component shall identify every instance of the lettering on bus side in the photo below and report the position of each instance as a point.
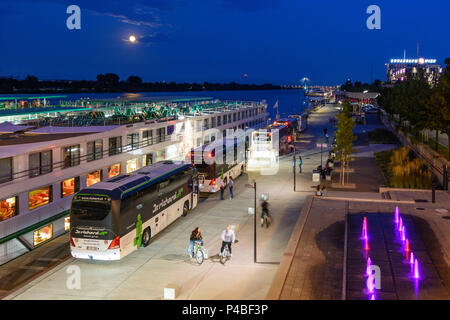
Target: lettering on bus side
(91, 232)
(153, 199)
(168, 200)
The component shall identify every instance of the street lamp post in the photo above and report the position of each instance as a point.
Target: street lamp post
(254, 220)
(293, 167)
(254, 226)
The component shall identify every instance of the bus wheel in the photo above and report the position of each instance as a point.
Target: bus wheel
(185, 209)
(146, 235)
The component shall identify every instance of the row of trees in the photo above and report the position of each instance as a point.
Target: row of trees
(111, 82)
(358, 86)
(416, 106)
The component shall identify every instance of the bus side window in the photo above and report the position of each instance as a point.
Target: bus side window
(163, 187)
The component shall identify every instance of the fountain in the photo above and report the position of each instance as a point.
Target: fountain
(364, 229)
(411, 260)
(403, 234)
(366, 244)
(400, 225)
(370, 283)
(397, 214)
(416, 269)
(407, 245)
(368, 269)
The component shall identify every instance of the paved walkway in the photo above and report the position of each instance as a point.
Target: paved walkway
(312, 266)
(144, 273)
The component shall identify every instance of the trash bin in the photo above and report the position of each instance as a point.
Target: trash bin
(316, 175)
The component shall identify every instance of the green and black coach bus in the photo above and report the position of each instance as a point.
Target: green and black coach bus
(113, 218)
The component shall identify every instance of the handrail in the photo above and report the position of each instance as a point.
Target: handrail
(105, 153)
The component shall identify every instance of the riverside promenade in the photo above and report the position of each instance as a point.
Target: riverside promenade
(145, 273)
(315, 264)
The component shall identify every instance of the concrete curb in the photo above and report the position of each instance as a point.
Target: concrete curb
(365, 200)
(386, 189)
(288, 256)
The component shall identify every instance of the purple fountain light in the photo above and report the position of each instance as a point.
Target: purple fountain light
(368, 269)
(364, 229)
(370, 283)
(403, 234)
(400, 225)
(411, 259)
(397, 214)
(416, 269)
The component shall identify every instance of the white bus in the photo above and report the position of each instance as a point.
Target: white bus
(265, 147)
(219, 159)
(113, 218)
(302, 121)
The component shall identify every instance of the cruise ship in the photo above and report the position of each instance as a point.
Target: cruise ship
(47, 154)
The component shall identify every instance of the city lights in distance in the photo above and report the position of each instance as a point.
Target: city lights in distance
(419, 61)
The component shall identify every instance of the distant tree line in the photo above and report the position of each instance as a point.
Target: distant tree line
(358, 86)
(110, 82)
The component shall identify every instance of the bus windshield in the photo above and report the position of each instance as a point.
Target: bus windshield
(91, 210)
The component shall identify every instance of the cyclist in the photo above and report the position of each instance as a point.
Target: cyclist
(265, 212)
(228, 237)
(196, 235)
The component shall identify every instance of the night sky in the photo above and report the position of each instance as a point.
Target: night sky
(278, 41)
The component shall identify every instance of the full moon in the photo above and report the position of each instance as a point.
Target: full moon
(132, 38)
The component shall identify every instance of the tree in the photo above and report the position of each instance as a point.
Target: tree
(134, 81)
(439, 106)
(31, 82)
(347, 108)
(344, 142)
(107, 82)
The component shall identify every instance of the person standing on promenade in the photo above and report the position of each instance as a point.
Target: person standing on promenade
(222, 187)
(230, 186)
(300, 162)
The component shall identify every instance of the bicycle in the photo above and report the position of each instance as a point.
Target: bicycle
(225, 255)
(267, 220)
(199, 253)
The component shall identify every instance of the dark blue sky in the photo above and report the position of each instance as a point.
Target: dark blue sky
(277, 41)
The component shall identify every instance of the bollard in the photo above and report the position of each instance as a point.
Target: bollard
(171, 292)
(445, 178)
(433, 193)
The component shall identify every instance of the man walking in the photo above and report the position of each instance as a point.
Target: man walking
(230, 186)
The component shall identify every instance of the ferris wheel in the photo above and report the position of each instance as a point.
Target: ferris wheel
(304, 81)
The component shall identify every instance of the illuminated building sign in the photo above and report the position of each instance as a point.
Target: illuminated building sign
(419, 61)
